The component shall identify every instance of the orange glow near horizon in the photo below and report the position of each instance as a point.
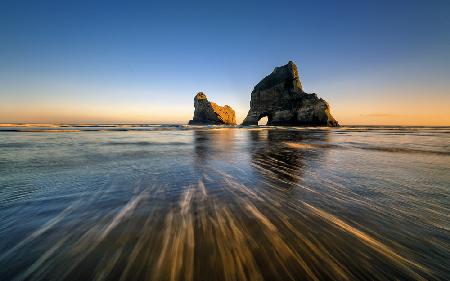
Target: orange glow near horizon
(382, 105)
(345, 114)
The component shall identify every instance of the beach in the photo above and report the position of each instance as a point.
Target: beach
(178, 202)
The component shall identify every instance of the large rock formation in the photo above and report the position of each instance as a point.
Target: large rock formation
(209, 113)
(280, 97)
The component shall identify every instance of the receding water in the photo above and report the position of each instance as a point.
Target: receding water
(209, 203)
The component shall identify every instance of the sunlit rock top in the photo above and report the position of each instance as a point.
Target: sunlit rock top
(209, 113)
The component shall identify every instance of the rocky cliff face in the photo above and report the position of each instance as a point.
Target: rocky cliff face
(280, 97)
(209, 113)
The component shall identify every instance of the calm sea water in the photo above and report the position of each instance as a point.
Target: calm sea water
(210, 203)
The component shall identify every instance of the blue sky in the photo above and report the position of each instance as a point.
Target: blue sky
(377, 62)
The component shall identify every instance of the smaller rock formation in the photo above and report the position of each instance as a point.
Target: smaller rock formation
(209, 113)
(281, 98)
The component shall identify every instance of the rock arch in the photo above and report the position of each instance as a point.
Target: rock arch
(280, 96)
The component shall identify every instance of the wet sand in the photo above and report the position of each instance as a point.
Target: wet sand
(196, 203)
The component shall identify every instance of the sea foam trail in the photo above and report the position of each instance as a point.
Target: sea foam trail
(92, 238)
(40, 231)
(378, 246)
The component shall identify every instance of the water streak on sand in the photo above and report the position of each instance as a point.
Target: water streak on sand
(228, 204)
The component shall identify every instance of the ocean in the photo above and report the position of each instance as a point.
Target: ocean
(173, 202)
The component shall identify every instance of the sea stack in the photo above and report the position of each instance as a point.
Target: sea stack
(209, 113)
(280, 98)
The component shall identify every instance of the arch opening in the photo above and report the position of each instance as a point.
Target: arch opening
(263, 120)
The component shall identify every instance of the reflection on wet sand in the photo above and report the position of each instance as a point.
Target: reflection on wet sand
(254, 205)
(212, 144)
(275, 155)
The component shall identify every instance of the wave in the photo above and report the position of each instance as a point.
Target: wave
(70, 128)
(347, 145)
(144, 143)
(403, 150)
(14, 145)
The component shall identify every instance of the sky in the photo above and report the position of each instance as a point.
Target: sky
(375, 62)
